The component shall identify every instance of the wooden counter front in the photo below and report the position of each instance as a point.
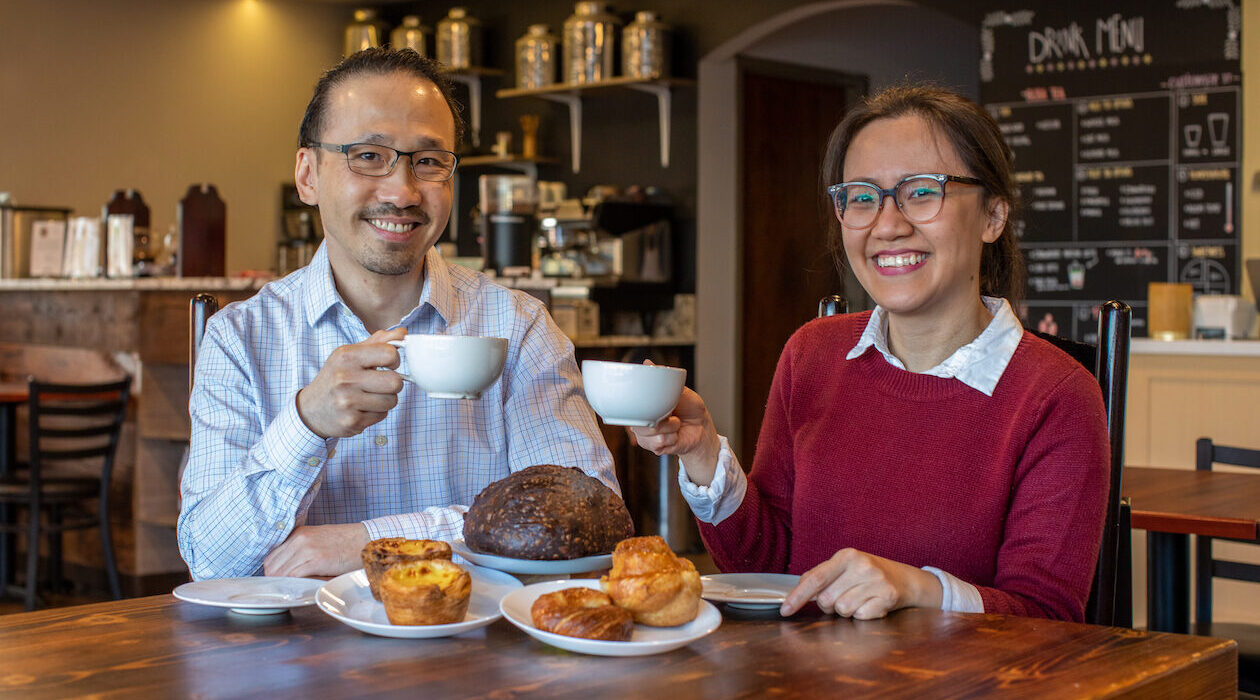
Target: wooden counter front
(90, 330)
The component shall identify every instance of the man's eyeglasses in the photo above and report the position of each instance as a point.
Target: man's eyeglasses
(375, 160)
(919, 197)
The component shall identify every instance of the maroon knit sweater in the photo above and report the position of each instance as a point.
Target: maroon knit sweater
(1005, 492)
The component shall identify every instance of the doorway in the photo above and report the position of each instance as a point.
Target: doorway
(787, 114)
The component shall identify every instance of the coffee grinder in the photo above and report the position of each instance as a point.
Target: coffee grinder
(508, 207)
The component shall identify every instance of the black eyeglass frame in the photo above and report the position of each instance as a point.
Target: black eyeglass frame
(344, 149)
(885, 192)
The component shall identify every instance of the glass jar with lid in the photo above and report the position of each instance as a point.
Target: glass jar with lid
(364, 32)
(410, 35)
(536, 58)
(459, 39)
(645, 47)
(588, 43)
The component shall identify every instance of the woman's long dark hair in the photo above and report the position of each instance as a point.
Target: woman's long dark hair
(976, 138)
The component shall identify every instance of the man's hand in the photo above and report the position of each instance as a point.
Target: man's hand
(350, 393)
(318, 550)
(863, 586)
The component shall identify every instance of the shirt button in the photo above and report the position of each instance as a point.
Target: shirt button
(313, 461)
(279, 525)
(381, 440)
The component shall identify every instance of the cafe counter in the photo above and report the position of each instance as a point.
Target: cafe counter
(91, 330)
(1180, 391)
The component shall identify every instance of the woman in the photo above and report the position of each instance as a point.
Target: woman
(929, 453)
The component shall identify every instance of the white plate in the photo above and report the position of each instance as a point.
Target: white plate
(645, 640)
(751, 591)
(251, 595)
(348, 599)
(532, 566)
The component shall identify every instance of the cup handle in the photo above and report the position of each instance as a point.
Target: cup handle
(402, 357)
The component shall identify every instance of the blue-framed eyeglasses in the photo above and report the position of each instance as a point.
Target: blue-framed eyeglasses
(919, 197)
(375, 160)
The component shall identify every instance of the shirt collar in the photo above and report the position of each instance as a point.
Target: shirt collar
(437, 291)
(978, 364)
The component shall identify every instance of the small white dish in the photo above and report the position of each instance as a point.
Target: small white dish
(645, 640)
(749, 591)
(348, 600)
(624, 393)
(251, 595)
(544, 567)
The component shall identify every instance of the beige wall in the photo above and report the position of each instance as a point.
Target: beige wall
(158, 95)
(1251, 134)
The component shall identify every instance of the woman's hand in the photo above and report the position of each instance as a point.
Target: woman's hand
(863, 586)
(687, 432)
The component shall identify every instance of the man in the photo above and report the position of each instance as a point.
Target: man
(303, 450)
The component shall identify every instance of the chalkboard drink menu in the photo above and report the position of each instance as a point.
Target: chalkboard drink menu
(1124, 118)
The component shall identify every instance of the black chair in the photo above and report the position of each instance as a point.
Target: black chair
(69, 423)
(1111, 594)
(1207, 567)
(200, 308)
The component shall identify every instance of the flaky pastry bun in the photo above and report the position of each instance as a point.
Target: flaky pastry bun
(378, 555)
(582, 612)
(434, 592)
(659, 588)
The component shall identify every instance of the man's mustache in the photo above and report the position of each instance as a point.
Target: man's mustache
(386, 210)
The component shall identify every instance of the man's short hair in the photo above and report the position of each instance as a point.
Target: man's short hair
(375, 61)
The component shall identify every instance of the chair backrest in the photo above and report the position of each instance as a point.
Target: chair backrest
(1206, 566)
(1109, 361)
(70, 422)
(200, 309)
(831, 305)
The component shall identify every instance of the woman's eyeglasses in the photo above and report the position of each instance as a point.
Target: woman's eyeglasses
(919, 197)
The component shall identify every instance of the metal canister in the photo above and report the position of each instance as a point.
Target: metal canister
(364, 32)
(645, 47)
(588, 43)
(536, 58)
(410, 35)
(459, 39)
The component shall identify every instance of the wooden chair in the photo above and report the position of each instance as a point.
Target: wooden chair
(69, 424)
(1111, 595)
(200, 308)
(1207, 567)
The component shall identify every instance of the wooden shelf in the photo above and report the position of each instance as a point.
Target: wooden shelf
(478, 71)
(571, 94)
(602, 86)
(505, 161)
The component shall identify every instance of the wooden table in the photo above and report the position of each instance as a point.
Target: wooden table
(161, 647)
(1171, 505)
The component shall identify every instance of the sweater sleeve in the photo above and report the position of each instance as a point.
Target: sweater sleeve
(1049, 549)
(758, 535)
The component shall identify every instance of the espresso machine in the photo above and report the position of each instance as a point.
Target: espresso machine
(509, 205)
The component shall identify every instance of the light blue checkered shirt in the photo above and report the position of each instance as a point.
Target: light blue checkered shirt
(255, 471)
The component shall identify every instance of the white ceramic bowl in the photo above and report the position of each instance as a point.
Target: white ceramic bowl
(451, 366)
(623, 393)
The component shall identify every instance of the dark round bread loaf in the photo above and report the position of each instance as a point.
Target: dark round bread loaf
(547, 512)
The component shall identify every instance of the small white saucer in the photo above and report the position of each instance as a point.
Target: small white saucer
(251, 595)
(532, 566)
(749, 591)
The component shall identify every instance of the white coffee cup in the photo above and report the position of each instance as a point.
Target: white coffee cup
(624, 393)
(451, 366)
